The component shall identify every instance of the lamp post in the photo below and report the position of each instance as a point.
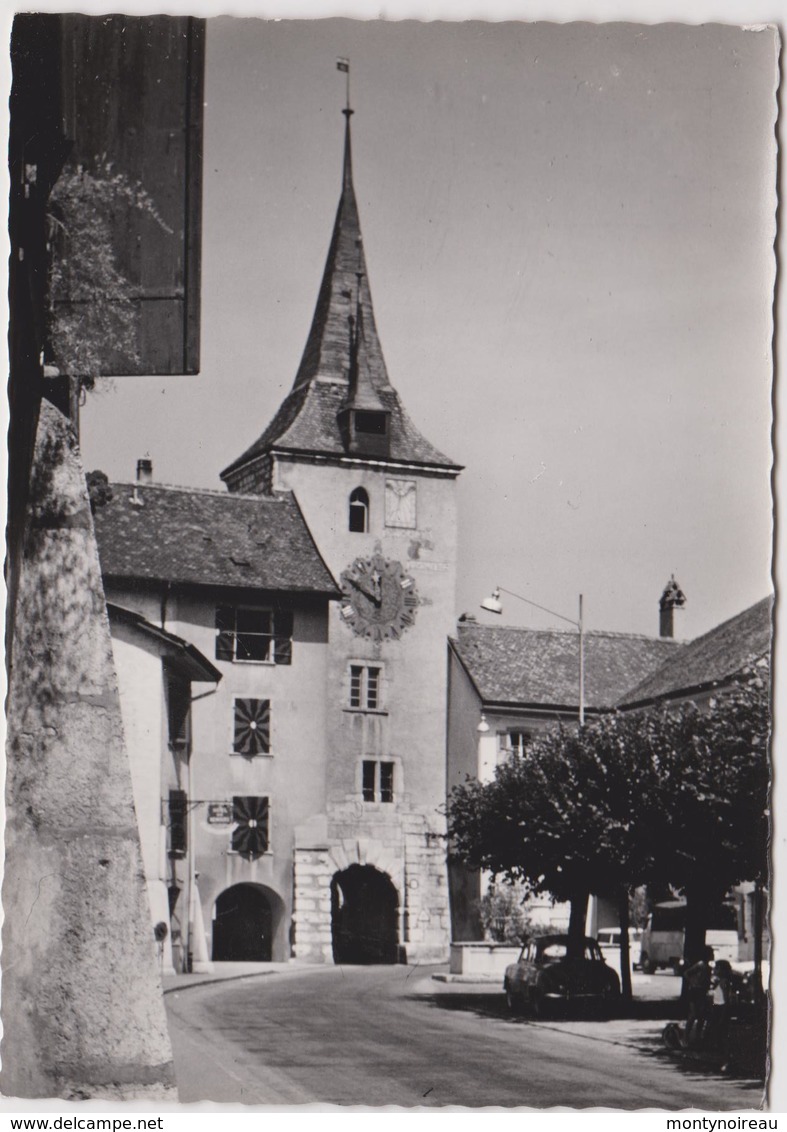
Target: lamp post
(492, 604)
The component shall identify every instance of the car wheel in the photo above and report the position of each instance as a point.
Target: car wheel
(537, 1003)
(513, 1001)
(648, 968)
(608, 1002)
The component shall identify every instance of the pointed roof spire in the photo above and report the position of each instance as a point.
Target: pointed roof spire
(326, 357)
(342, 371)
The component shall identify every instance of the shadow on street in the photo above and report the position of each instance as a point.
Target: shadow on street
(746, 1062)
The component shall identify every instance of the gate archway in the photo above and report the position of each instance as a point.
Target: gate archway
(244, 924)
(364, 916)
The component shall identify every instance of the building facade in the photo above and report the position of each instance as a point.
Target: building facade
(240, 579)
(505, 685)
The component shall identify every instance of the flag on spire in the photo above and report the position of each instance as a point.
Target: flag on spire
(343, 65)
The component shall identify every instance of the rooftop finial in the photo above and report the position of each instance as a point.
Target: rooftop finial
(344, 65)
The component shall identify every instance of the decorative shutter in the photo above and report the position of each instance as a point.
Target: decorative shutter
(225, 632)
(250, 836)
(178, 825)
(252, 727)
(282, 641)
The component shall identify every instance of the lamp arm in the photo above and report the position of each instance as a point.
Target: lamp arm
(543, 608)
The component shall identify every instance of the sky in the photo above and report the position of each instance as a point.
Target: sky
(569, 236)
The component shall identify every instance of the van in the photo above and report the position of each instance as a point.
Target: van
(662, 939)
(609, 942)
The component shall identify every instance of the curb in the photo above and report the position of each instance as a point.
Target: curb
(214, 982)
(476, 980)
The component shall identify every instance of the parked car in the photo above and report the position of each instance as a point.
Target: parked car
(544, 976)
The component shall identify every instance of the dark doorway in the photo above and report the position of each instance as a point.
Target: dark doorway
(243, 927)
(364, 916)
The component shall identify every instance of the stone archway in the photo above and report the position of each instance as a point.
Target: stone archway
(245, 921)
(364, 916)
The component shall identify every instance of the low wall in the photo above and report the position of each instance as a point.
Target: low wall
(482, 958)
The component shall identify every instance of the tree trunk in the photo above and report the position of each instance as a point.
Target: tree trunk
(696, 923)
(576, 924)
(625, 951)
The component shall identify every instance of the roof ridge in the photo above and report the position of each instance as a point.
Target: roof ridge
(615, 633)
(274, 497)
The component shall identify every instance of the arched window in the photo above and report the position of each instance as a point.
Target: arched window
(359, 511)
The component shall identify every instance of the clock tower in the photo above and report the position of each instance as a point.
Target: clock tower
(370, 869)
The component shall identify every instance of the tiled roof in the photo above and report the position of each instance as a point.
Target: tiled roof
(197, 537)
(714, 658)
(306, 420)
(532, 667)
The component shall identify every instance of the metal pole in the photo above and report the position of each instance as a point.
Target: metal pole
(581, 665)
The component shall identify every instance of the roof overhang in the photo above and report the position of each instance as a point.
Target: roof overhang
(177, 654)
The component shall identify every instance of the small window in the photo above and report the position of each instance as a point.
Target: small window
(371, 423)
(250, 837)
(251, 727)
(514, 742)
(178, 823)
(378, 781)
(364, 687)
(247, 634)
(359, 511)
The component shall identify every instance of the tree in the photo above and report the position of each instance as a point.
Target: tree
(92, 307)
(676, 796)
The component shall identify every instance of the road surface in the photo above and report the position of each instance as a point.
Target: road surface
(393, 1036)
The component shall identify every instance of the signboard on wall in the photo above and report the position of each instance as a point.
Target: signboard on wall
(220, 813)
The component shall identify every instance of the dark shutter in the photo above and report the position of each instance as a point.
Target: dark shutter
(252, 727)
(133, 90)
(282, 641)
(225, 632)
(178, 823)
(250, 836)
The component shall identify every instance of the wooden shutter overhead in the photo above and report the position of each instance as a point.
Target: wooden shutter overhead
(133, 94)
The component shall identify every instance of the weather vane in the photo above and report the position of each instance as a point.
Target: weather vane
(344, 65)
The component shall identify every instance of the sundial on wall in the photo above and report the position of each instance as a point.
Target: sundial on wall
(379, 598)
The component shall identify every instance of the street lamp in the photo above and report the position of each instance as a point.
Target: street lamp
(492, 604)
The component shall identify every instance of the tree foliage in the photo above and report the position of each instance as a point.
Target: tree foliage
(675, 796)
(92, 306)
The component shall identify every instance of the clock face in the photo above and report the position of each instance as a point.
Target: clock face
(379, 599)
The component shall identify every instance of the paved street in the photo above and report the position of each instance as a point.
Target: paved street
(393, 1036)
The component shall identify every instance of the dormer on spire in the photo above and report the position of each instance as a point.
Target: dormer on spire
(364, 421)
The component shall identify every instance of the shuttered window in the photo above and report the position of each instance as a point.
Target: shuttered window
(244, 633)
(251, 731)
(250, 837)
(178, 823)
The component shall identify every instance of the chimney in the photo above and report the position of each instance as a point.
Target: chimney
(144, 470)
(673, 598)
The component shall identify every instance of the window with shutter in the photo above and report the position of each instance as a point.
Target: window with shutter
(250, 837)
(251, 727)
(178, 823)
(254, 635)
